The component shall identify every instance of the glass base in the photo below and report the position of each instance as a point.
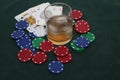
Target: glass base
(60, 43)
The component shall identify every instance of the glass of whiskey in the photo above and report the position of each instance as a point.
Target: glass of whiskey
(59, 27)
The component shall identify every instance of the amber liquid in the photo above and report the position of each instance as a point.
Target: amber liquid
(59, 31)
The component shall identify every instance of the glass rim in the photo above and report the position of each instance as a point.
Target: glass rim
(58, 3)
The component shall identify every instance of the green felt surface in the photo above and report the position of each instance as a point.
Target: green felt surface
(100, 61)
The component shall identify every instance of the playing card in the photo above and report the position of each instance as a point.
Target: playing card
(53, 11)
(27, 15)
(36, 15)
(39, 15)
(31, 29)
(22, 15)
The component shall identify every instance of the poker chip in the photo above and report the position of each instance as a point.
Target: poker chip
(76, 47)
(24, 55)
(46, 46)
(39, 31)
(76, 14)
(17, 34)
(36, 42)
(23, 42)
(82, 26)
(31, 48)
(21, 24)
(90, 36)
(36, 29)
(65, 59)
(31, 28)
(32, 35)
(61, 51)
(39, 57)
(55, 67)
(81, 42)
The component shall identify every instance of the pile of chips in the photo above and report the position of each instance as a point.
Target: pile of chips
(81, 27)
(34, 48)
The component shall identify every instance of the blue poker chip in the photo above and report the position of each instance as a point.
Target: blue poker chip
(24, 42)
(31, 48)
(17, 34)
(21, 24)
(55, 67)
(81, 42)
(32, 35)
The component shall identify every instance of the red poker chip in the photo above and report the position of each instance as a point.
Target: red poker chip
(61, 51)
(65, 59)
(46, 46)
(39, 57)
(82, 26)
(76, 14)
(24, 55)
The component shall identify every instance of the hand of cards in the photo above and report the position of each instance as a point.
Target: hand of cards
(35, 15)
(37, 19)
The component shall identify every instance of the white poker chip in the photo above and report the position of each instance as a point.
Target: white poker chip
(39, 31)
(31, 28)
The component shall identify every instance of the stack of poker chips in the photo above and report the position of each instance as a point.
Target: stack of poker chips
(82, 28)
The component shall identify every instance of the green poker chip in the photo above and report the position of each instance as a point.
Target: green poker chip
(76, 47)
(36, 42)
(90, 36)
